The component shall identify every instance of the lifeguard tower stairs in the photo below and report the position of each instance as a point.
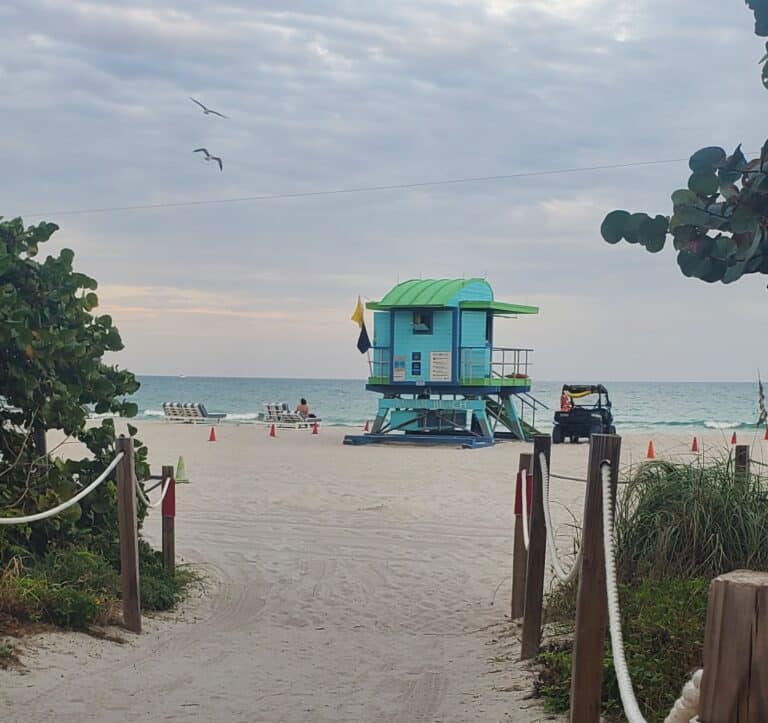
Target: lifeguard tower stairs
(441, 378)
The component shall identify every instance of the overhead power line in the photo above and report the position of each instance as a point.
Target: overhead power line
(355, 189)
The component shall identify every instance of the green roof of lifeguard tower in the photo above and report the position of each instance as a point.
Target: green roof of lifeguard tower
(442, 293)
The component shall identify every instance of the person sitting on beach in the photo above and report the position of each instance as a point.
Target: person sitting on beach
(303, 408)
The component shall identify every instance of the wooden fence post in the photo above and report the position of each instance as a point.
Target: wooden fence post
(537, 550)
(592, 602)
(741, 463)
(734, 687)
(129, 539)
(169, 516)
(520, 554)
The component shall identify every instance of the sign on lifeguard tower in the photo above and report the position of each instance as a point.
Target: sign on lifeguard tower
(439, 373)
(440, 366)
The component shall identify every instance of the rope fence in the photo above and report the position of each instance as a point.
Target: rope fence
(69, 503)
(628, 700)
(598, 606)
(143, 497)
(557, 565)
(526, 505)
(123, 465)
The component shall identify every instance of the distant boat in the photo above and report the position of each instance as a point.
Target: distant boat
(182, 376)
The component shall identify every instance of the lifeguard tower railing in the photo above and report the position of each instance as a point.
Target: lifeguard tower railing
(497, 366)
(479, 366)
(380, 365)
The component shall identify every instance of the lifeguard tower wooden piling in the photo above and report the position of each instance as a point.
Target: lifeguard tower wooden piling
(441, 377)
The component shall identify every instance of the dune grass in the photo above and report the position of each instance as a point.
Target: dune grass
(690, 520)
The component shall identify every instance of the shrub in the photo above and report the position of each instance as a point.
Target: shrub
(663, 625)
(77, 588)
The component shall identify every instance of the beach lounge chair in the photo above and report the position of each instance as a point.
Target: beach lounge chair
(190, 413)
(277, 413)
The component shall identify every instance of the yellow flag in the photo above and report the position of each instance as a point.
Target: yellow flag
(358, 314)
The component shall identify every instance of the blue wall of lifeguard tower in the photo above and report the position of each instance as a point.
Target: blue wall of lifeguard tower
(404, 356)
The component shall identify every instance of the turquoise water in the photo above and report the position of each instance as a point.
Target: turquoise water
(637, 405)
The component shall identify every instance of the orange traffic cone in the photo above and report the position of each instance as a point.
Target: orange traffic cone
(366, 428)
(272, 431)
(651, 451)
(315, 429)
(212, 435)
(733, 438)
(695, 445)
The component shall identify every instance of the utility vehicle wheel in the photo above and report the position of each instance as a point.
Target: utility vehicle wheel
(557, 435)
(574, 439)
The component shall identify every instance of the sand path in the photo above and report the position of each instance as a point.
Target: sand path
(343, 584)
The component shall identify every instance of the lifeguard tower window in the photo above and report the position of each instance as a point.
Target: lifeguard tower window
(422, 322)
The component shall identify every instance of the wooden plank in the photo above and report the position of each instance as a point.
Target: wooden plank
(734, 687)
(169, 521)
(534, 576)
(129, 539)
(519, 554)
(592, 603)
(741, 462)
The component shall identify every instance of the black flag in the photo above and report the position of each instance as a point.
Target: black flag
(363, 342)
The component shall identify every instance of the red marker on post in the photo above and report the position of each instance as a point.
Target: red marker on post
(169, 522)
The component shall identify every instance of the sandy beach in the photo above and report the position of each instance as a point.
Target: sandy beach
(342, 584)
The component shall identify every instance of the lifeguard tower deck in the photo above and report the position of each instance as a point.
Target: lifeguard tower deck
(441, 378)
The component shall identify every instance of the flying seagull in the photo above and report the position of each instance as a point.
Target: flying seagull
(207, 111)
(209, 157)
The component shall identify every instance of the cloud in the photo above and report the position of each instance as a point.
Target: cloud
(328, 95)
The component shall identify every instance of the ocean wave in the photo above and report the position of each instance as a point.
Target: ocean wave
(727, 425)
(706, 423)
(152, 413)
(243, 417)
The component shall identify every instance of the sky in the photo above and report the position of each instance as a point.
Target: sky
(334, 94)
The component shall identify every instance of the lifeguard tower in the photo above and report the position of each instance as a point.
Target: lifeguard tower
(441, 378)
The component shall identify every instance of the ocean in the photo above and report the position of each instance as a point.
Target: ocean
(671, 406)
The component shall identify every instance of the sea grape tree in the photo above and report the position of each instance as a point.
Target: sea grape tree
(52, 374)
(719, 222)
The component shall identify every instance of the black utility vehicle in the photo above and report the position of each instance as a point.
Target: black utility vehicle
(576, 420)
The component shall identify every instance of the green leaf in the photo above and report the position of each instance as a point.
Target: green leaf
(687, 215)
(683, 235)
(744, 220)
(653, 233)
(72, 514)
(633, 225)
(688, 263)
(703, 184)
(725, 246)
(706, 159)
(734, 272)
(732, 168)
(612, 228)
(684, 197)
